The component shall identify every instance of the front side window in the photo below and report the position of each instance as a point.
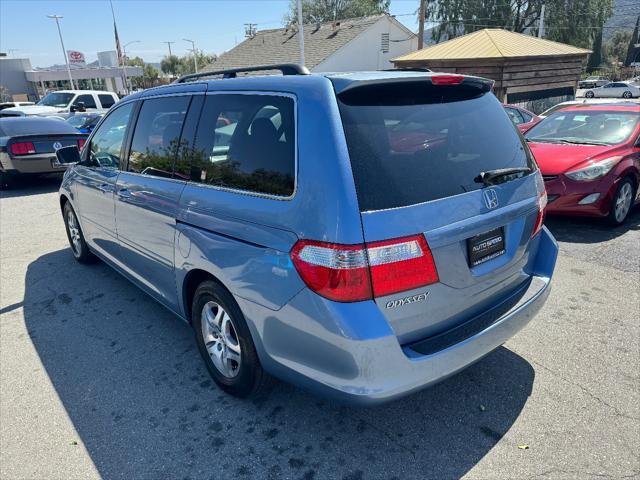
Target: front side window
(56, 99)
(106, 143)
(246, 142)
(156, 139)
(107, 101)
(88, 101)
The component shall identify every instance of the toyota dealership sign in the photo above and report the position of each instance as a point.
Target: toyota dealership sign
(76, 58)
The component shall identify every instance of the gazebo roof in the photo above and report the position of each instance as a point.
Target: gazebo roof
(494, 43)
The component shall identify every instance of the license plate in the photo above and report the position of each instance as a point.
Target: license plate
(486, 246)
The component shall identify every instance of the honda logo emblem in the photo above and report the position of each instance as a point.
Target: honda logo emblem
(490, 198)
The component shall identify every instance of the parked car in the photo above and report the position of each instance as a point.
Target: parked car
(593, 82)
(585, 102)
(65, 102)
(28, 146)
(590, 159)
(301, 242)
(85, 122)
(614, 90)
(5, 105)
(521, 118)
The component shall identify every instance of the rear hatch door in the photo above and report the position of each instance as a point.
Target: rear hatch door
(417, 150)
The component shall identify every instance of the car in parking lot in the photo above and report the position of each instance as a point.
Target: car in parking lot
(28, 146)
(522, 118)
(308, 235)
(64, 102)
(5, 105)
(589, 157)
(614, 90)
(85, 122)
(593, 82)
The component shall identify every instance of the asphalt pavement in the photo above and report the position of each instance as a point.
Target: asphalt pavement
(98, 381)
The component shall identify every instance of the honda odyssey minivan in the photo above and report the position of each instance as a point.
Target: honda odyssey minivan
(363, 235)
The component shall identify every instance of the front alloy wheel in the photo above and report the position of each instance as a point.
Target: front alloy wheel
(77, 243)
(622, 202)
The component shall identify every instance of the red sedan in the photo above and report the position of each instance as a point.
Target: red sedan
(521, 118)
(590, 159)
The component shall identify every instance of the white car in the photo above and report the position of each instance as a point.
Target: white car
(614, 90)
(65, 102)
(594, 82)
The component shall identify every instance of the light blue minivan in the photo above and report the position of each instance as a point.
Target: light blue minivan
(363, 235)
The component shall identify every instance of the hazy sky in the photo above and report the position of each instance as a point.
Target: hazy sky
(87, 26)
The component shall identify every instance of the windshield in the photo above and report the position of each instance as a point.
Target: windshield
(410, 145)
(82, 121)
(595, 127)
(56, 99)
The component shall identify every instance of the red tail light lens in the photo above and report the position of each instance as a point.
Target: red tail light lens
(22, 148)
(337, 272)
(351, 273)
(400, 264)
(81, 143)
(447, 79)
(542, 204)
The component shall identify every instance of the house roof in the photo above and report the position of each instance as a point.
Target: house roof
(492, 43)
(281, 45)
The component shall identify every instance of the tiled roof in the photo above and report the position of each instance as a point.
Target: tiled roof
(492, 43)
(282, 45)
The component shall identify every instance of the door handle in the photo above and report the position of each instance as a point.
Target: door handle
(106, 188)
(124, 194)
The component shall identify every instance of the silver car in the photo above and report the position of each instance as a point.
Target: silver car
(614, 90)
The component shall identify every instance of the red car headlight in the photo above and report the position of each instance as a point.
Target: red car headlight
(595, 170)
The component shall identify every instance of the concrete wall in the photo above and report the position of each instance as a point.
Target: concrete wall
(12, 76)
(364, 52)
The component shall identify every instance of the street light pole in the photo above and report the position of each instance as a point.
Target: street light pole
(64, 51)
(124, 64)
(169, 45)
(195, 52)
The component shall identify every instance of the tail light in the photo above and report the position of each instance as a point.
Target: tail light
(22, 148)
(351, 273)
(542, 204)
(447, 79)
(81, 143)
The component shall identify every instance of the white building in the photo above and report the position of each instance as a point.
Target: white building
(367, 43)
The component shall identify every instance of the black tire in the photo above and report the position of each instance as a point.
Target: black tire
(250, 379)
(79, 248)
(627, 94)
(589, 95)
(624, 186)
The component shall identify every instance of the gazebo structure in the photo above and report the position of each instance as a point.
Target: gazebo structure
(525, 69)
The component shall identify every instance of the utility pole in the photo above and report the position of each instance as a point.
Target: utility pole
(64, 51)
(421, 25)
(195, 53)
(301, 32)
(541, 25)
(169, 45)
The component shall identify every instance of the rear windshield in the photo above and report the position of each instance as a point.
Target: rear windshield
(13, 127)
(412, 144)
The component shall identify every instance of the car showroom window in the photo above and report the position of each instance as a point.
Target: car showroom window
(88, 101)
(156, 138)
(107, 101)
(246, 142)
(106, 142)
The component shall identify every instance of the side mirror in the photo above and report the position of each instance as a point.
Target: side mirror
(68, 155)
(78, 107)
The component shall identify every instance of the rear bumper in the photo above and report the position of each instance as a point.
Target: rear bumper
(366, 365)
(30, 164)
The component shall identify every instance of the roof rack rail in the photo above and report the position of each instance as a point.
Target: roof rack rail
(407, 69)
(285, 68)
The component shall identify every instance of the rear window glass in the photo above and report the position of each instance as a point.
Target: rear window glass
(412, 144)
(106, 100)
(30, 126)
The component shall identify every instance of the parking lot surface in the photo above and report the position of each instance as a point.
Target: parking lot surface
(97, 380)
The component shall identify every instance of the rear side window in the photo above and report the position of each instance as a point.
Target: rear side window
(246, 142)
(107, 101)
(88, 101)
(156, 138)
(515, 115)
(410, 144)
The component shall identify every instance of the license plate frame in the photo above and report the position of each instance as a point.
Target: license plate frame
(486, 246)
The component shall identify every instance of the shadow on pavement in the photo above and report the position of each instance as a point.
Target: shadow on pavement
(32, 185)
(131, 380)
(590, 230)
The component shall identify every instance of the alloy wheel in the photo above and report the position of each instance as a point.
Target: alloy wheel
(623, 202)
(221, 339)
(74, 232)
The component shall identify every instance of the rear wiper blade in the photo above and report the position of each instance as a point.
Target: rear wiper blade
(487, 178)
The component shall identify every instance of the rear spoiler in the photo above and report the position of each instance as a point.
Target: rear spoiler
(441, 79)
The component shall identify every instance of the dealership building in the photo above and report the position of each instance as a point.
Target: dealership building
(22, 82)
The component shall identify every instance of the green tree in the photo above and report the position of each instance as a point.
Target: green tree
(186, 65)
(321, 11)
(576, 22)
(614, 50)
(632, 50)
(169, 65)
(149, 76)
